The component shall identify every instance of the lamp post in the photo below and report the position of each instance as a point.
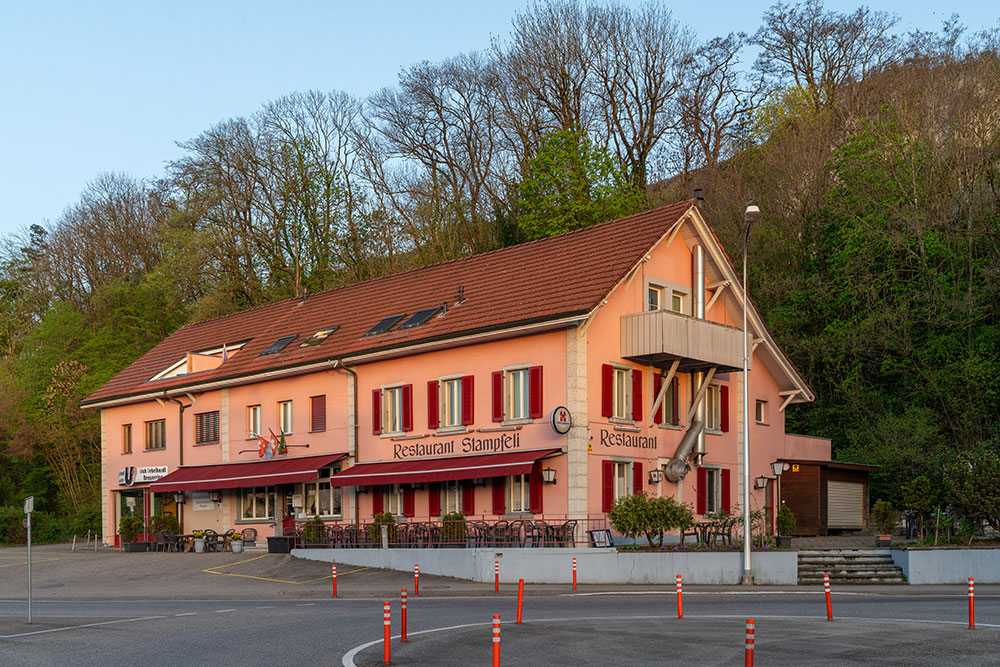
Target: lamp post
(777, 468)
(750, 215)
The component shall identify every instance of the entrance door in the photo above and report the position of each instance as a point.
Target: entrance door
(844, 505)
(769, 508)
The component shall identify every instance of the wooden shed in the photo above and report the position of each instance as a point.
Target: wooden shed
(827, 497)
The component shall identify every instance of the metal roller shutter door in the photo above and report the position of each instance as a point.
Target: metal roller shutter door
(845, 505)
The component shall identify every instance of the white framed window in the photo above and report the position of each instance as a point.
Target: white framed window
(760, 412)
(451, 402)
(285, 416)
(621, 393)
(518, 394)
(321, 498)
(392, 410)
(713, 489)
(677, 301)
(654, 297)
(392, 499)
(668, 413)
(518, 494)
(451, 497)
(253, 420)
(713, 408)
(256, 503)
(622, 474)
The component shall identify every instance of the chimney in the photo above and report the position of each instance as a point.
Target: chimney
(699, 197)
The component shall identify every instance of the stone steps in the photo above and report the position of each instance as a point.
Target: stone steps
(848, 566)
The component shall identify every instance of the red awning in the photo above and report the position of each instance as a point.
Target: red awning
(441, 470)
(239, 475)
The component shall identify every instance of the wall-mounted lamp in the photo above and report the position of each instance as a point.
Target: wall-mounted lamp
(215, 496)
(548, 475)
(179, 498)
(655, 476)
(778, 467)
(760, 482)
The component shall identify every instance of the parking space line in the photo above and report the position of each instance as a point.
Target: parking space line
(33, 560)
(86, 625)
(223, 611)
(213, 570)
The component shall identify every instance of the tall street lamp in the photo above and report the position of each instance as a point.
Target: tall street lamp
(750, 216)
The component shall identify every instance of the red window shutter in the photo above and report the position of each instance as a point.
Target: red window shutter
(677, 415)
(499, 496)
(376, 500)
(468, 400)
(725, 490)
(636, 476)
(636, 395)
(498, 396)
(607, 379)
(318, 413)
(657, 383)
(376, 411)
(702, 487)
(408, 502)
(407, 407)
(535, 489)
(724, 407)
(607, 485)
(468, 499)
(433, 413)
(434, 500)
(535, 392)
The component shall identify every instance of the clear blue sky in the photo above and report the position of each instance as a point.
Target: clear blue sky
(88, 87)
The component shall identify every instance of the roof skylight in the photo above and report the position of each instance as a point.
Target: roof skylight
(420, 317)
(385, 324)
(279, 345)
(319, 336)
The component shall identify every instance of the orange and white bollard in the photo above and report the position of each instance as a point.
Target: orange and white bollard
(574, 574)
(826, 589)
(680, 598)
(520, 598)
(402, 615)
(334, 580)
(496, 640)
(972, 604)
(748, 659)
(386, 625)
(416, 581)
(496, 576)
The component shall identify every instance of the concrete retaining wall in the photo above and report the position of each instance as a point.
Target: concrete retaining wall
(948, 566)
(554, 566)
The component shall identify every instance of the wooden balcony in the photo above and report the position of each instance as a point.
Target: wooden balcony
(661, 336)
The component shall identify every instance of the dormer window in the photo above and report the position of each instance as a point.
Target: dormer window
(202, 360)
(279, 345)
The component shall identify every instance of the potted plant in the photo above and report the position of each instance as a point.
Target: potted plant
(236, 543)
(884, 516)
(786, 527)
(129, 528)
(453, 529)
(199, 541)
(314, 533)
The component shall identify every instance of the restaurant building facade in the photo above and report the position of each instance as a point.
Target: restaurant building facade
(544, 380)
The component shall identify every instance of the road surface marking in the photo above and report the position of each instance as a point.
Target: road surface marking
(86, 625)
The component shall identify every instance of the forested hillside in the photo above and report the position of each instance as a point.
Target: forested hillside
(873, 155)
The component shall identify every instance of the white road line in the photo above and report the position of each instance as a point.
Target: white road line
(87, 625)
(687, 593)
(188, 613)
(306, 604)
(348, 659)
(267, 606)
(223, 611)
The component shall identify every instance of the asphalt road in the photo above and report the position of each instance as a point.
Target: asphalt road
(118, 609)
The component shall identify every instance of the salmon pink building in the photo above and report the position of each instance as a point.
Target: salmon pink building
(540, 381)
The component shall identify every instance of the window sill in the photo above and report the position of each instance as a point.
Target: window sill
(518, 515)
(269, 521)
(155, 449)
(322, 430)
(671, 427)
(621, 420)
(451, 430)
(515, 422)
(761, 423)
(203, 444)
(714, 431)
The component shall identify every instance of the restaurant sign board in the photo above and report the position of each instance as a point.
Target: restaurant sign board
(130, 475)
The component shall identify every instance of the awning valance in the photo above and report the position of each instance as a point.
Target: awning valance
(441, 470)
(239, 475)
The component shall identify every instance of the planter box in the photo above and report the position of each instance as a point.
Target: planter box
(136, 547)
(279, 545)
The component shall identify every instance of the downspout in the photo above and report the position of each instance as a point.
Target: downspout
(677, 468)
(353, 426)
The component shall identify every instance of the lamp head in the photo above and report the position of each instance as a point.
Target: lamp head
(751, 214)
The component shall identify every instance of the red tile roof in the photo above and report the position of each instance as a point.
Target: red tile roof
(541, 280)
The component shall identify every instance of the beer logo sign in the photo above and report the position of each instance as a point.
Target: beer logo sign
(562, 421)
(126, 476)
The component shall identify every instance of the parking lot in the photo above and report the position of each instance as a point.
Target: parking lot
(256, 607)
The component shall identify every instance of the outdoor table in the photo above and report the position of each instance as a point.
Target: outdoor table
(705, 531)
(185, 543)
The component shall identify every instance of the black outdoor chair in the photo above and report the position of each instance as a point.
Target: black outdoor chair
(566, 534)
(211, 540)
